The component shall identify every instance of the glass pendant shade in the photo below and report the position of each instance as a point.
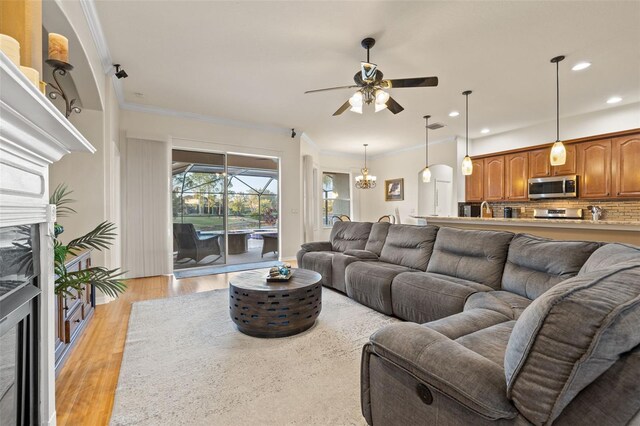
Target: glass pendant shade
(356, 102)
(426, 175)
(467, 166)
(558, 154)
(381, 98)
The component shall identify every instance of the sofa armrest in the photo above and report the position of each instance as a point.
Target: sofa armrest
(446, 366)
(362, 254)
(317, 246)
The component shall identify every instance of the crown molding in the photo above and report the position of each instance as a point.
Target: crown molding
(91, 14)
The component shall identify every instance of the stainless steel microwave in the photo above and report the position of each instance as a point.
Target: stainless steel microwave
(553, 187)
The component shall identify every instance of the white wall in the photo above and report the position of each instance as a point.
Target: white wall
(198, 135)
(406, 164)
(612, 119)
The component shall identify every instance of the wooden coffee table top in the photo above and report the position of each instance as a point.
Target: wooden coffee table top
(257, 280)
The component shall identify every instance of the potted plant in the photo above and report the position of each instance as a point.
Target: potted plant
(108, 281)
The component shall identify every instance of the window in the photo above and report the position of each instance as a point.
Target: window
(336, 196)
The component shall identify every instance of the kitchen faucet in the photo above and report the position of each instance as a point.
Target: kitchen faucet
(487, 210)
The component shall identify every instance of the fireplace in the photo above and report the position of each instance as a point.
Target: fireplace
(19, 325)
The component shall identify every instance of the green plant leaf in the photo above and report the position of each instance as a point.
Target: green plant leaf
(100, 238)
(60, 197)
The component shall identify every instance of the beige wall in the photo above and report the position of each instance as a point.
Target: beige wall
(200, 135)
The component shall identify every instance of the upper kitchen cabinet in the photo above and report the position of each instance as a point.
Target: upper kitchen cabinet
(594, 168)
(474, 182)
(539, 163)
(494, 178)
(516, 176)
(626, 166)
(569, 167)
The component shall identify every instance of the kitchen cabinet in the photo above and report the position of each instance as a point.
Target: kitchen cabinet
(517, 176)
(626, 166)
(539, 163)
(475, 181)
(493, 184)
(569, 167)
(594, 168)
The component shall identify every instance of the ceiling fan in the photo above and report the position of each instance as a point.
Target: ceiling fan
(371, 87)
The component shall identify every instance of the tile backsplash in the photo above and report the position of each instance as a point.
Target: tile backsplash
(620, 210)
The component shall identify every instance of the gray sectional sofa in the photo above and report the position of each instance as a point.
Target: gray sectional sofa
(501, 328)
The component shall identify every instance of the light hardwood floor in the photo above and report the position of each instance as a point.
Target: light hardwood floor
(85, 387)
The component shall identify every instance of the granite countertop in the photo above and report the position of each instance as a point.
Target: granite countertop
(550, 223)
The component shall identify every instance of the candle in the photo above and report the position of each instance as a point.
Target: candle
(58, 47)
(11, 48)
(32, 75)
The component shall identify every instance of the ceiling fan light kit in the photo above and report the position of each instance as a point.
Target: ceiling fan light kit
(467, 164)
(365, 180)
(371, 87)
(558, 155)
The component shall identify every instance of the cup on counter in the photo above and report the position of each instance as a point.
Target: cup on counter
(508, 212)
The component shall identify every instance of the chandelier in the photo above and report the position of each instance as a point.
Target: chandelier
(365, 181)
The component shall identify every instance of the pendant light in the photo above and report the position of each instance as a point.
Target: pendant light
(467, 165)
(365, 181)
(558, 154)
(426, 173)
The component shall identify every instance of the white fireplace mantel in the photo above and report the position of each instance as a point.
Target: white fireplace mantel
(33, 135)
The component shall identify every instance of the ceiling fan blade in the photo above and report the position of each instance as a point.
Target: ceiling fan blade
(331, 88)
(411, 82)
(393, 106)
(345, 106)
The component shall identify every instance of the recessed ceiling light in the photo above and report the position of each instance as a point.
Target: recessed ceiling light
(581, 66)
(485, 131)
(614, 100)
(454, 114)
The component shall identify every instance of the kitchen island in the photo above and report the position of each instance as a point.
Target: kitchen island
(560, 229)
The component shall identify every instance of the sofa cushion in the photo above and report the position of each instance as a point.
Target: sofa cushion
(339, 264)
(319, 261)
(569, 336)
(349, 235)
(536, 264)
(370, 283)
(409, 245)
(472, 255)
(377, 237)
(610, 255)
(490, 342)
(509, 304)
(422, 296)
(467, 322)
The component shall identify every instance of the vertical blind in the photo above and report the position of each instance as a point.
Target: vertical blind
(146, 203)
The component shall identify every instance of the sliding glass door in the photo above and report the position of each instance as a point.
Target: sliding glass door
(225, 209)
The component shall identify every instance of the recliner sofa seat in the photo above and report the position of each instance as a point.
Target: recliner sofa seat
(503, 329)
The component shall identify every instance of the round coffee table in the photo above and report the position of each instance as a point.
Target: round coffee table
(275, 309)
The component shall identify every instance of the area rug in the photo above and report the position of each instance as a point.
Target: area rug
(185, 363)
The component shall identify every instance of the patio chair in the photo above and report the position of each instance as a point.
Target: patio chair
(191, 246)
(269, 243)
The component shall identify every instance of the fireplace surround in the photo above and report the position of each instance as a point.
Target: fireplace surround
(33, 135)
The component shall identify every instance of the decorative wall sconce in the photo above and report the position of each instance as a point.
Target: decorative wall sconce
(61, 68)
